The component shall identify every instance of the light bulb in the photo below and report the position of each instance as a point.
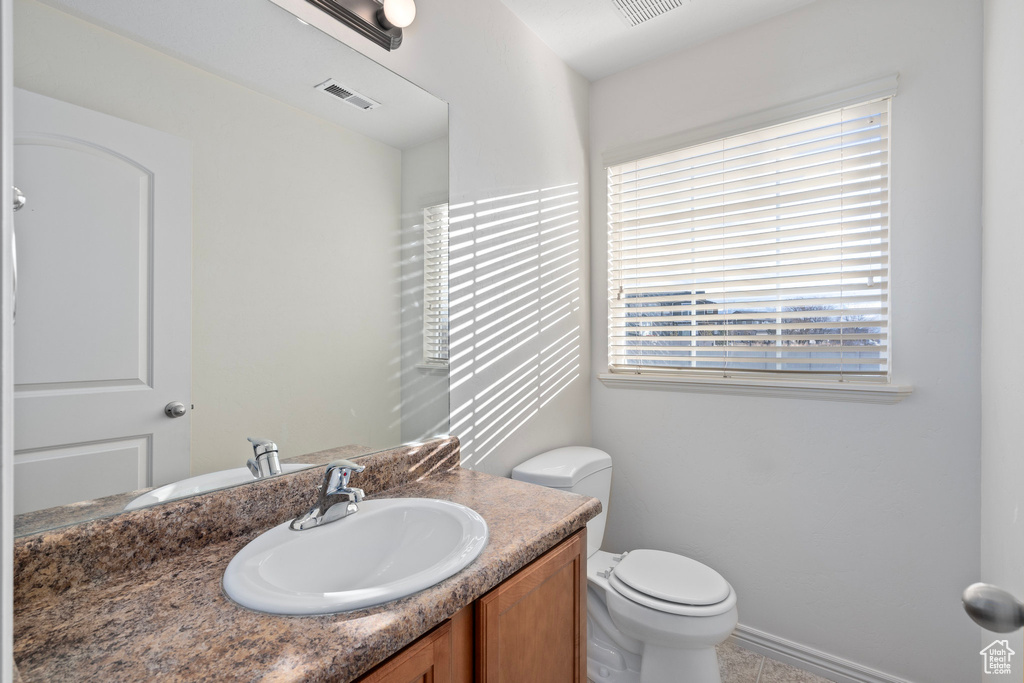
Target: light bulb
(400, 13)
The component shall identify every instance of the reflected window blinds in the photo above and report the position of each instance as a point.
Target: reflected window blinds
(435, 285)
(766, 252)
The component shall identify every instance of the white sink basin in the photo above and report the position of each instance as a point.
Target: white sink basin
(201, 484)
(390, 548)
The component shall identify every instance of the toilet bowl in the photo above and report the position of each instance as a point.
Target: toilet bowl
(652, 616)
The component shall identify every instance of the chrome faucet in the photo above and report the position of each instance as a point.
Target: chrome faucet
(264, 462)
(333, 492)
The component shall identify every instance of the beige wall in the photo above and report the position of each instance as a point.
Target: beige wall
(295, 240)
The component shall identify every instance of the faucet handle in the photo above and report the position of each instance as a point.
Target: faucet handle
(330, 506)
(261, 446)
(264, 462)
(345, 469)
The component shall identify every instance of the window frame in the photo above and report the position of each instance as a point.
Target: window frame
(771, 383)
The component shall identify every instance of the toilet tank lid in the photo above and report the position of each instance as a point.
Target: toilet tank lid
(562, 467)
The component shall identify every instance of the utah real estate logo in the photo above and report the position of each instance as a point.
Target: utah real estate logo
(998, 657)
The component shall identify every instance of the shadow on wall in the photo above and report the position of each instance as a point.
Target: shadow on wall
(515, 288)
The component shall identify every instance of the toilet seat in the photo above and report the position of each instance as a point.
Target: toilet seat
(671, 607)
(671, 577)
(671, 583)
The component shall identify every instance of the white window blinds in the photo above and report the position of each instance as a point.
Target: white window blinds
(766, 252)
(435, 285)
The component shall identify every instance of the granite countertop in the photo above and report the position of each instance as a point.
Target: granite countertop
(158, 613)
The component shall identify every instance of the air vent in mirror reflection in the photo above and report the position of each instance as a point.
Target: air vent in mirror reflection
(347, 95)
(636, 12)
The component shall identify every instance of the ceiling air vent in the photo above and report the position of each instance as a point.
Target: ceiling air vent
(636, 12)
(332, 87)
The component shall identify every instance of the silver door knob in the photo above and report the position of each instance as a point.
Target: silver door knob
(175, 409)
(993, 608)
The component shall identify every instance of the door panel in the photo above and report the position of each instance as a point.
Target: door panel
(106, 468)
(61, 339)
(103, 333)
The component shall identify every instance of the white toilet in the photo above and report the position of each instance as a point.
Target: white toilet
(653, 617)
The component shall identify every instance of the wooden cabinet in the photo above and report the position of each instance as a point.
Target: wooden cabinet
(532, 628)
(445, 655)
(529, 629)
(428, 660)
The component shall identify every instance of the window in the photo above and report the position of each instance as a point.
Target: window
(765, 253)
(435, 286)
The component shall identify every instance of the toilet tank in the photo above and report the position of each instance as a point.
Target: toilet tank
(579, 469)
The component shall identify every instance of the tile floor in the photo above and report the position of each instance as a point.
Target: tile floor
(743, 666)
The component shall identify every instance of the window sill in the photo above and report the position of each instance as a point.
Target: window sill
(432, 368)
(854, 392)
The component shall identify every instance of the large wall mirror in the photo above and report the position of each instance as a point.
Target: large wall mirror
(235, 227)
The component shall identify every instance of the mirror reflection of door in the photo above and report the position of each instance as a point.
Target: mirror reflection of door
(102, 338)
(306, 261)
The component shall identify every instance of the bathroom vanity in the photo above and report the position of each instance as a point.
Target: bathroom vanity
(139, 595)
(528, 628)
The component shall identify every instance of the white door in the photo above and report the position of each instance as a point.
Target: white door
(999, 608)
(102, 336)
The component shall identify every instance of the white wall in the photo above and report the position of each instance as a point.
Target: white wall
(425, 408)
(295, 276)
(1002, 394)
(518, 124)
(847, 528)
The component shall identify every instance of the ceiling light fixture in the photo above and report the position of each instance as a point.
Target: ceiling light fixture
(380, 22)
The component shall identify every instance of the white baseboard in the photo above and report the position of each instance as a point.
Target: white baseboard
(802, 657)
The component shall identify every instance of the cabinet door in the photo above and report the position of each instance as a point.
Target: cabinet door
(463, 645)
(427, 661)
(532, 628)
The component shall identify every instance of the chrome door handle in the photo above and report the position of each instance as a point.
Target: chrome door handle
(993, 608)
(174, 409)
